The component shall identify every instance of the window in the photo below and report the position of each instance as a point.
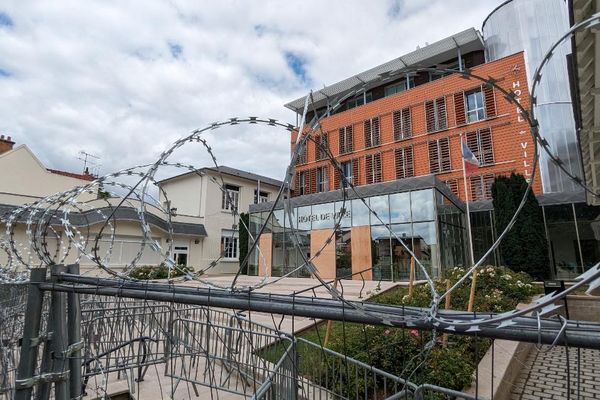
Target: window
(373, 168)
(347, 171)
(229, 244)
(398, 87)
(359, 100)
(474, 105)
(180, 255)
(404, 162)
(302, 156)
(402, 125)
(480, 143)
(481, 186)
(372, 132)
(263, 197)
(435, 113)
(322, 181)
(346, 140)
(321, 146)
(230, 198)
(435, 75)
(439, 156)
(300, 186)
(453, 186)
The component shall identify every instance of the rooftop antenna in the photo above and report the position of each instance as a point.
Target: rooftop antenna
(87, 159)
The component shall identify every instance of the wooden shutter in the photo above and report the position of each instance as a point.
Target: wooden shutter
(486, 155)
(377, 168)
(404, 162)
(476, 190)
(490, 101)
(434, 160)
(408, 157)
(346, 139)
(369, 168)
(430, 115)
(337, 178)
(368, 142)
(453, 186)
(445, 162)
(440, 108)
(297, 184)
(375, 128)
(481, 186)
(312, 181)
(355, 172)
(473, 143)
(459, 108)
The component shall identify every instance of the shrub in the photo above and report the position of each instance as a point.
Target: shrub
(148, 272)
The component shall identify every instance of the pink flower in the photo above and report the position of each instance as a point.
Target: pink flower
(387, 331)
(414, 332)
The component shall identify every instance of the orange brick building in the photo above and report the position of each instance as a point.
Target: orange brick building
(418, 132)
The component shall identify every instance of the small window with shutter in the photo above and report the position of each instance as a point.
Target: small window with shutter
(346, 140)
(322, 179)
(404, 162)
(302, 156)
(435, 114)
(402, 124)
(372, 132)
(480, 144)
(373, 168)
(439, 155)
(453, 186)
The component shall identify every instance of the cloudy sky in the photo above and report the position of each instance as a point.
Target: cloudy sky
(124, 79)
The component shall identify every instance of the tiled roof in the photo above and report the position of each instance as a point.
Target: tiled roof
(85, 177)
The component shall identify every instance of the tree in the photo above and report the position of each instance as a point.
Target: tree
(243, 236)
(524, 248)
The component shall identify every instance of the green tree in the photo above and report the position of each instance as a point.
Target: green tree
(244, 222)
(525, 247)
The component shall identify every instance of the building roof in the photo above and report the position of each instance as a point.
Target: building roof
(435, 53)
(123, 213)
(232, 172)
(85, 177)
(375, 189)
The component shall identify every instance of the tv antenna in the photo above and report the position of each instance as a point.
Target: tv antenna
(88, 159)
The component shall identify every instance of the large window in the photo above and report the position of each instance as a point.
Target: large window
(439, 156)
(404, 162)
(261, 197)
(373, 168)
(475, 107)
(230, 198)
(372, 132)
(480, 143)
(435, 114)
(346, 139)
(322, 180)
(402, 124)
(398, 87)
(229, 244)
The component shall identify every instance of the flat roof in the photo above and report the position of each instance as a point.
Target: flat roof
(375, 189)
(435, 53)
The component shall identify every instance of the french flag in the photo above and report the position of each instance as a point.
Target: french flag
(470, 162)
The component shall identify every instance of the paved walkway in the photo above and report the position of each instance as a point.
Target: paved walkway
(545, 372)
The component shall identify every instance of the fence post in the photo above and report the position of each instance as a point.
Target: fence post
(58, 343)
(75, 342)
(31, 339)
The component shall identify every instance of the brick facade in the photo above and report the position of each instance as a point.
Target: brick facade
(512, 143)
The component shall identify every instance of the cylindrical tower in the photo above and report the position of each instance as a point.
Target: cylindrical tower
(533, 26)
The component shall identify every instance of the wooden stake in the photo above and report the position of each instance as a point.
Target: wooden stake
(472, 293)
(329, 323)
(411, 278)
(447, 307)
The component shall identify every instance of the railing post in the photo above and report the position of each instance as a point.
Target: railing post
(31, 332)
(75, 342)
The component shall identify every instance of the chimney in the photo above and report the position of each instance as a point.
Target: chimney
(6, 144)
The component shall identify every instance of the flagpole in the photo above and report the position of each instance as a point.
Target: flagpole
(469, 236)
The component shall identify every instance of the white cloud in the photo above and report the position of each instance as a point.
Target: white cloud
(125, 79)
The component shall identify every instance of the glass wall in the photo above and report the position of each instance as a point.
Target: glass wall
(484, 234)
(412, 218)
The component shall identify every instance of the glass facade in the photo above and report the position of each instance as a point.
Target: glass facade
(534, 26)
(422, 221)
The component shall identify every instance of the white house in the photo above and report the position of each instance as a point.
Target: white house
(198, 195)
